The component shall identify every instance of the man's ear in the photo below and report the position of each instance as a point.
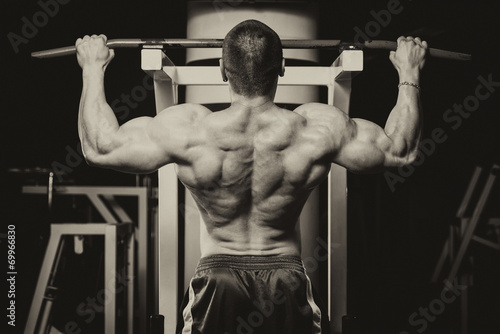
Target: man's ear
(222, 70)
(282, 73)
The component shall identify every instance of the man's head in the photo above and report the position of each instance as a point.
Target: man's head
(252, 58)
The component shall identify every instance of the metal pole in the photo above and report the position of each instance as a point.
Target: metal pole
(51, 292)
(217, 43)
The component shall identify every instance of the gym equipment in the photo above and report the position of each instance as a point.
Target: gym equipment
(461, 236)
(217, 43)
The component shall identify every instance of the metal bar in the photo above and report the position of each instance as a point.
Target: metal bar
(468, 194)
(168, 248)
(339, 93)
(217, 43)
(337, 236)
(350, 64)
(142, 256)
(50, 191)
(93, 194)
(486, 242)
(468, 234)
(210, 75)
(130, 283)
(102, 209)
(43, 281)
(437, 53)
(110, 242)
(166, 244)
(441, 261)
(117, 209)
(85, 190)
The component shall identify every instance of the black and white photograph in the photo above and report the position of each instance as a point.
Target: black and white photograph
(250, 167)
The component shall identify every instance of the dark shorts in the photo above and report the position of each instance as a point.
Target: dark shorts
(251, 294)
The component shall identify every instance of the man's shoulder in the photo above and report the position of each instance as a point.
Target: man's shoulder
(320, 114)
(190, 112)
(313, 108)
(187, 108)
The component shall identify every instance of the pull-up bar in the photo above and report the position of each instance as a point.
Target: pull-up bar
(217, 43)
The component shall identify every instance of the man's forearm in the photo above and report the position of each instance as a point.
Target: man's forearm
(404, 123)
(96, 120)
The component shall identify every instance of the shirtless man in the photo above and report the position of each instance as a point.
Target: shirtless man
(250, 169)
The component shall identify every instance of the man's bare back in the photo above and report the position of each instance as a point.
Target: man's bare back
(252, 166)
(250, 176)
(250, 169)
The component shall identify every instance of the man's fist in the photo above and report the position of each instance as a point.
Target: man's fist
(410, 54)
(93, 51)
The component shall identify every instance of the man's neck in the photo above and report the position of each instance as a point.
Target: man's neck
(254, 103)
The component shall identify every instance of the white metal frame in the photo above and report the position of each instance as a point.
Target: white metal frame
(111, 233)
(460, 237)
(167, 77)
(103, 199)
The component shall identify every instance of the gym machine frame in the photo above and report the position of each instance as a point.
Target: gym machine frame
(117, 222)
(457, 245)
(167, 77)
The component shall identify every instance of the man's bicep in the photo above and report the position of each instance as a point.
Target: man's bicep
(365, 148)
(132, 148)
(359, 145)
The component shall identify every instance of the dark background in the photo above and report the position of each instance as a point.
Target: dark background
(395, 236)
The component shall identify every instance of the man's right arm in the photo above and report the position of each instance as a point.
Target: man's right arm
(141, 145)
(363, 146)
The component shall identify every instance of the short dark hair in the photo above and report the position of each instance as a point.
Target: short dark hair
(252, 55)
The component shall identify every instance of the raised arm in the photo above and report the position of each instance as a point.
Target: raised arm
(363, 146)
(141, 145)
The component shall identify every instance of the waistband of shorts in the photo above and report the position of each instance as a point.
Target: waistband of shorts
(251, 262)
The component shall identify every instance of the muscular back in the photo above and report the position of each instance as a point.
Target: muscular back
(250, 172)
